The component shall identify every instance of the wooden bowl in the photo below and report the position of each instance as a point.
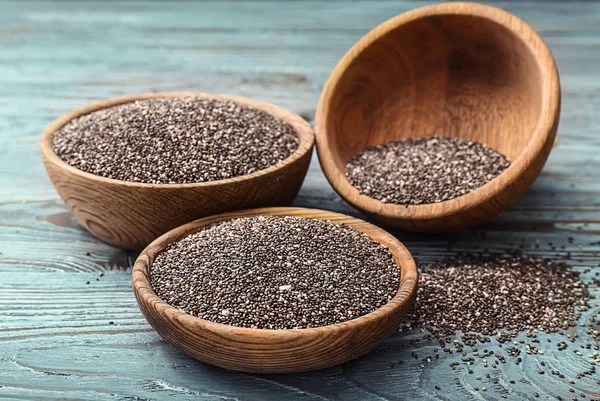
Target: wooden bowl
(463, 70)
(274, 351)
(130, 215)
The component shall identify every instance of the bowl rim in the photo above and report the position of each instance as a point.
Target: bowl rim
(301, 127)
(403, 258)
(543, 135)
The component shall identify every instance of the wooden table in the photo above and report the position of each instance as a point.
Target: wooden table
(61, 338)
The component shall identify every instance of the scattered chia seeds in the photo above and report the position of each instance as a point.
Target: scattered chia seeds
(274, 272)
(426, 170)
(547, 301)
(499, 295)
(175, 140)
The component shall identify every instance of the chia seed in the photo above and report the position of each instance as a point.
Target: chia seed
(275, 272)
(423, 171)
(498, 295)
(175, 140)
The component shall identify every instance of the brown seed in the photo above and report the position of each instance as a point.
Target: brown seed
(426, 170)
(250, 268)
(497, 295)
(175, 140)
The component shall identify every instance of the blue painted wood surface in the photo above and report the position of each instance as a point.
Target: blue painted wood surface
(56, 336)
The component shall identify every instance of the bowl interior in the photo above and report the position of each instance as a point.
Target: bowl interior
(457, 75)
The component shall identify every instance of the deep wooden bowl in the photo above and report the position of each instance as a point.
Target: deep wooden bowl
(130, 215)
(463, 70)
(274, 351)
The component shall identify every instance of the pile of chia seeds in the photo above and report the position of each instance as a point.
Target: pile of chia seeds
(273, 272)
(493, 310)
(423, 171)
(498, 295)
(175, 140)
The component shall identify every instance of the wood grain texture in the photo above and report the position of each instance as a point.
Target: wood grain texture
(130, 215)
(55, 338)
(275, 351)
(464, 70)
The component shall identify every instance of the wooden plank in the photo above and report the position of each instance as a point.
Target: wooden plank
(56, 339)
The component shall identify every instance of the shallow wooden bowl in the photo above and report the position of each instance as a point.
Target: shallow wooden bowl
(274, 351)
(130, 215)
(463, 70)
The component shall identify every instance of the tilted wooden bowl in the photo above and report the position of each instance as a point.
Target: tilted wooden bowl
(274, 351)
(463, 70)
(130, 215)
